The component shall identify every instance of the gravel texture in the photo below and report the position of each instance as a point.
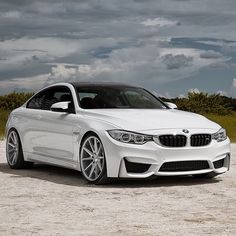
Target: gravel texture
(55, 201)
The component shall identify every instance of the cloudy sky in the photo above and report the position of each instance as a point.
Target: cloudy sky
(166, 46)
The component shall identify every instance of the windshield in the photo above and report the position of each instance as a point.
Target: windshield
(117, 97)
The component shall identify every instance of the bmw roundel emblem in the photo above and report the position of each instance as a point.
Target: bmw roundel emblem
(185, 131)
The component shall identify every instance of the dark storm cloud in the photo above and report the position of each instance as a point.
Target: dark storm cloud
(140, 41)
(210, 54)
(177, 61)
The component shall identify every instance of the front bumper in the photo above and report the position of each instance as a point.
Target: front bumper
(153, 156)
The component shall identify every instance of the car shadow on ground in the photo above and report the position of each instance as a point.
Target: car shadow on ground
(69, 177)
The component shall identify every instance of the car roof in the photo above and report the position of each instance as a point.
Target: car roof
(101, 84)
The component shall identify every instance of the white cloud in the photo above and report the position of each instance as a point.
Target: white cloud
(11, 15)
(26, 83)
(61, 72)
(194, 90)
(115, 41)
(135, 65)
(210, 54)
(222, 93)
(181, 96)
(56, 47)
(162, 95)
(234, 82)
(233, 88)
(65, 72)
(160, 22)
(20, 52)
(143, 64)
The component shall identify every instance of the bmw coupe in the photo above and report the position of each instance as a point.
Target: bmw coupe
(108, 130)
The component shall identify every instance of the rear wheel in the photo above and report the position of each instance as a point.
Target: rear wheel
(14, 151)
(92, 160)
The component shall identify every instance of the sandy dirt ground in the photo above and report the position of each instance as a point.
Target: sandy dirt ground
(55, 201)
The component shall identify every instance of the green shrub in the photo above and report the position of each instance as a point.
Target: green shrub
(3, 120)
(203, 103)
(8, 103)
(217, 108)
(13, 100)
(228, 122)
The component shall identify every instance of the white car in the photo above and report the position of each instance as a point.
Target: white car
(110, 130)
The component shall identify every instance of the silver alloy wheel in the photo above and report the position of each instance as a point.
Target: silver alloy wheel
(92, 158)
(12, 151)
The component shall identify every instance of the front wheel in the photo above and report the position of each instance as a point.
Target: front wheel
(14, 151)
(92, 160)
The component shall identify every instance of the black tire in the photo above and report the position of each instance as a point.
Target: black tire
(210, 175)
(19, 163)
(102, 178)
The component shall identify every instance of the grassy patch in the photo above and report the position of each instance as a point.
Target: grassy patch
(3, 120)
(228, 122)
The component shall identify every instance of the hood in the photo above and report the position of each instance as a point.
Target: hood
(152, 119)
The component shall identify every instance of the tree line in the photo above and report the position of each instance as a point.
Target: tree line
(202, 103)
(13, 100)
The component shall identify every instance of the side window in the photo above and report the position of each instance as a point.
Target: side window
(45, 99)
(64, 95)
(37, 101)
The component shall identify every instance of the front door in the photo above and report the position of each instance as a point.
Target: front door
(49, 133)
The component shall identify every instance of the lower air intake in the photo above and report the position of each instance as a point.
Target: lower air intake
(218, 164)
(134, 167)
(184, 166)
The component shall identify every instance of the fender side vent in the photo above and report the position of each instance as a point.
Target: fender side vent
(134, 167)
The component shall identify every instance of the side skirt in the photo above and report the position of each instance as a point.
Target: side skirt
(37, 158)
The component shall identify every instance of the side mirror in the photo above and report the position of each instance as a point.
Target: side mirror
(60, 107)
(171, 105)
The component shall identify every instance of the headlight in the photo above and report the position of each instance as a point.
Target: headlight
(129, 137)
(220, 135)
